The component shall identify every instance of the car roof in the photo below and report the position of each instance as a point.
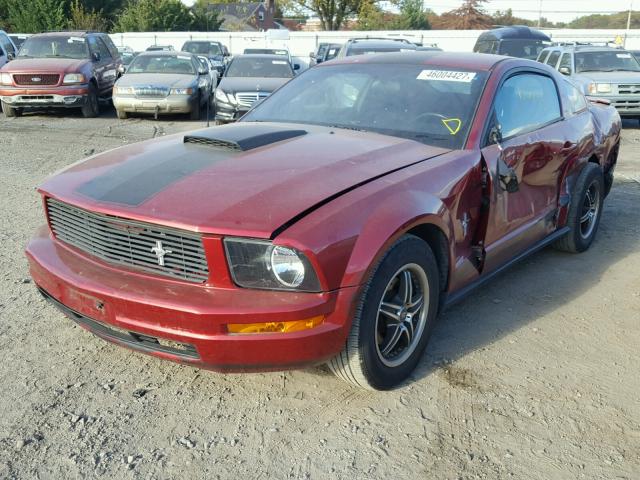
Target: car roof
(260, 55)
(514, 31)
(202, 41)
(67, 33)
(472, 61)
(585, 48)
(164, 53)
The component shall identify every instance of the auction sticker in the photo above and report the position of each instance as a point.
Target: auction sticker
(446, 76)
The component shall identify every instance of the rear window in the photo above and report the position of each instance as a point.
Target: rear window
(259, 67)
(202, 48)
(364, 50)
(522, 48)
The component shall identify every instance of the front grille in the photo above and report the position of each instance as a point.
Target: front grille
(249, 98)
(127, 242)
(151, 91)
(624, 105)
(36, 78)
(629, 89)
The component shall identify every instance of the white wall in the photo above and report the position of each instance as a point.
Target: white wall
(301, 43)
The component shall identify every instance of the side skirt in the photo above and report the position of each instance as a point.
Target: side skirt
(455, 297)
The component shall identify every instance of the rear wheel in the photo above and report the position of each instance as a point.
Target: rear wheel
(122, 115)
(11, 111)
(585, 210)
(393, 320)
(91, 108)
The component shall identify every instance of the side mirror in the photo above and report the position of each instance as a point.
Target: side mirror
(296, 66)
(95, 56)
(10, 56)
(202, 71)
(122, 69)
(565, 70)
(495, 134)
(312, 55)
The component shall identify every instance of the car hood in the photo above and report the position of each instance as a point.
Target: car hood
(609, 77)
(41, 65)
(170, 80)
(246, 178)
(252, 84)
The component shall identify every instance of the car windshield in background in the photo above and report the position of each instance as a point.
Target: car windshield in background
(259, 67)
(363, 50)
(265, 51)
(202, 48)
(428, 104)
(606, 61)
(522, 48)
(162, 64)
(54, 46)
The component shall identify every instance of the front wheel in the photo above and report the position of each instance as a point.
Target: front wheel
(195, 110)
(11, 111)
(91, 108)
(393, 320)
(585, 210)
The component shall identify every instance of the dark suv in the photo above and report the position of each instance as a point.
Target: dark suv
(216, 52)
(60, 69)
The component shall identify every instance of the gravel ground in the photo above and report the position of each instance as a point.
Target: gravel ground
(534, 376)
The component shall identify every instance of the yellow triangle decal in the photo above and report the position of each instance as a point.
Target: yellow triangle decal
(452, 124)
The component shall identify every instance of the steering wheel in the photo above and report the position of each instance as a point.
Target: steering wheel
(434, 119)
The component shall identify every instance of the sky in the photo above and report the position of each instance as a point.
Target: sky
(554, 10)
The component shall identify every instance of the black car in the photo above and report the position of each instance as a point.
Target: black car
(363, 46)
(247, 80)
(216, 52)
(515, 41)
(324, 52)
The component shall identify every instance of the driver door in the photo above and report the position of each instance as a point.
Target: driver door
(525, 151)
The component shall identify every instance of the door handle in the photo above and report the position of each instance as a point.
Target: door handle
(508, 177)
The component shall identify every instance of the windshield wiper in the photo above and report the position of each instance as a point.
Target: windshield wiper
(346, 127)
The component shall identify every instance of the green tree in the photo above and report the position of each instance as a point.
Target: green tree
(154, 16)
(83, 19)
(205, 19)
(332, 13)
(506, 18)
(370, 16)
(36, 16)
(412, 16)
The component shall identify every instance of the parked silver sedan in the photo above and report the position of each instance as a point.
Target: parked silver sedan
(162, 83)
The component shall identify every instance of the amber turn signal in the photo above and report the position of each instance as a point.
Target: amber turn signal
(275, 327)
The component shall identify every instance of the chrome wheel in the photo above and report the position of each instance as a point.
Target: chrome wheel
(402, 314)
(590, 210)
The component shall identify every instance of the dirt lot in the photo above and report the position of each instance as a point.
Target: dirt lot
(535, 376)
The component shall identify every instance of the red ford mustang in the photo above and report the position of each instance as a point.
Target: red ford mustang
(335, 220)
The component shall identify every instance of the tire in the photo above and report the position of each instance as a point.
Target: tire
(92, 108)
(195, 110)
(585, 210)
(122, 115)
(11, 112)
(369, 358)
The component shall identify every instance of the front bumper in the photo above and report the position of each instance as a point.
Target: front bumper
(229, 113)
(183, 322)
(170, 104)
(69, 97)
(626, 105)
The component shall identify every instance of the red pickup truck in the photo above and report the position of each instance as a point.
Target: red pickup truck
(60, 69)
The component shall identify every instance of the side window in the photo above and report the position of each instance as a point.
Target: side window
(103, 50)
(6, 44)
(543, 56)
(525, 102)
(113, 50)
(565, 61)
(553, 58)
(576, 101)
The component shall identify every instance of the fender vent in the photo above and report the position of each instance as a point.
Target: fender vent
(211, 142)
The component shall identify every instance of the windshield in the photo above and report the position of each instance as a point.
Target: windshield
(58, 46)
(364, 50)
(259, 67)
(432, 105)
(162, 64)
(606, 61)
(202, 48)
(522, 48)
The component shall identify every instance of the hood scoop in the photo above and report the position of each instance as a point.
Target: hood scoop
(241, 137)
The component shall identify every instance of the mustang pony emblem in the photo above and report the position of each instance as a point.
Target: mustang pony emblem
(160, 252)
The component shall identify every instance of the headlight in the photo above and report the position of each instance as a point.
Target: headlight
(181, 91)
(5, 79)
(222, 97)
(595, 88)
(123, 90)
(260, 264)
(73, 78)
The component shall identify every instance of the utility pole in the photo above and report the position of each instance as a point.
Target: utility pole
(540, 14)
(626, 35)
